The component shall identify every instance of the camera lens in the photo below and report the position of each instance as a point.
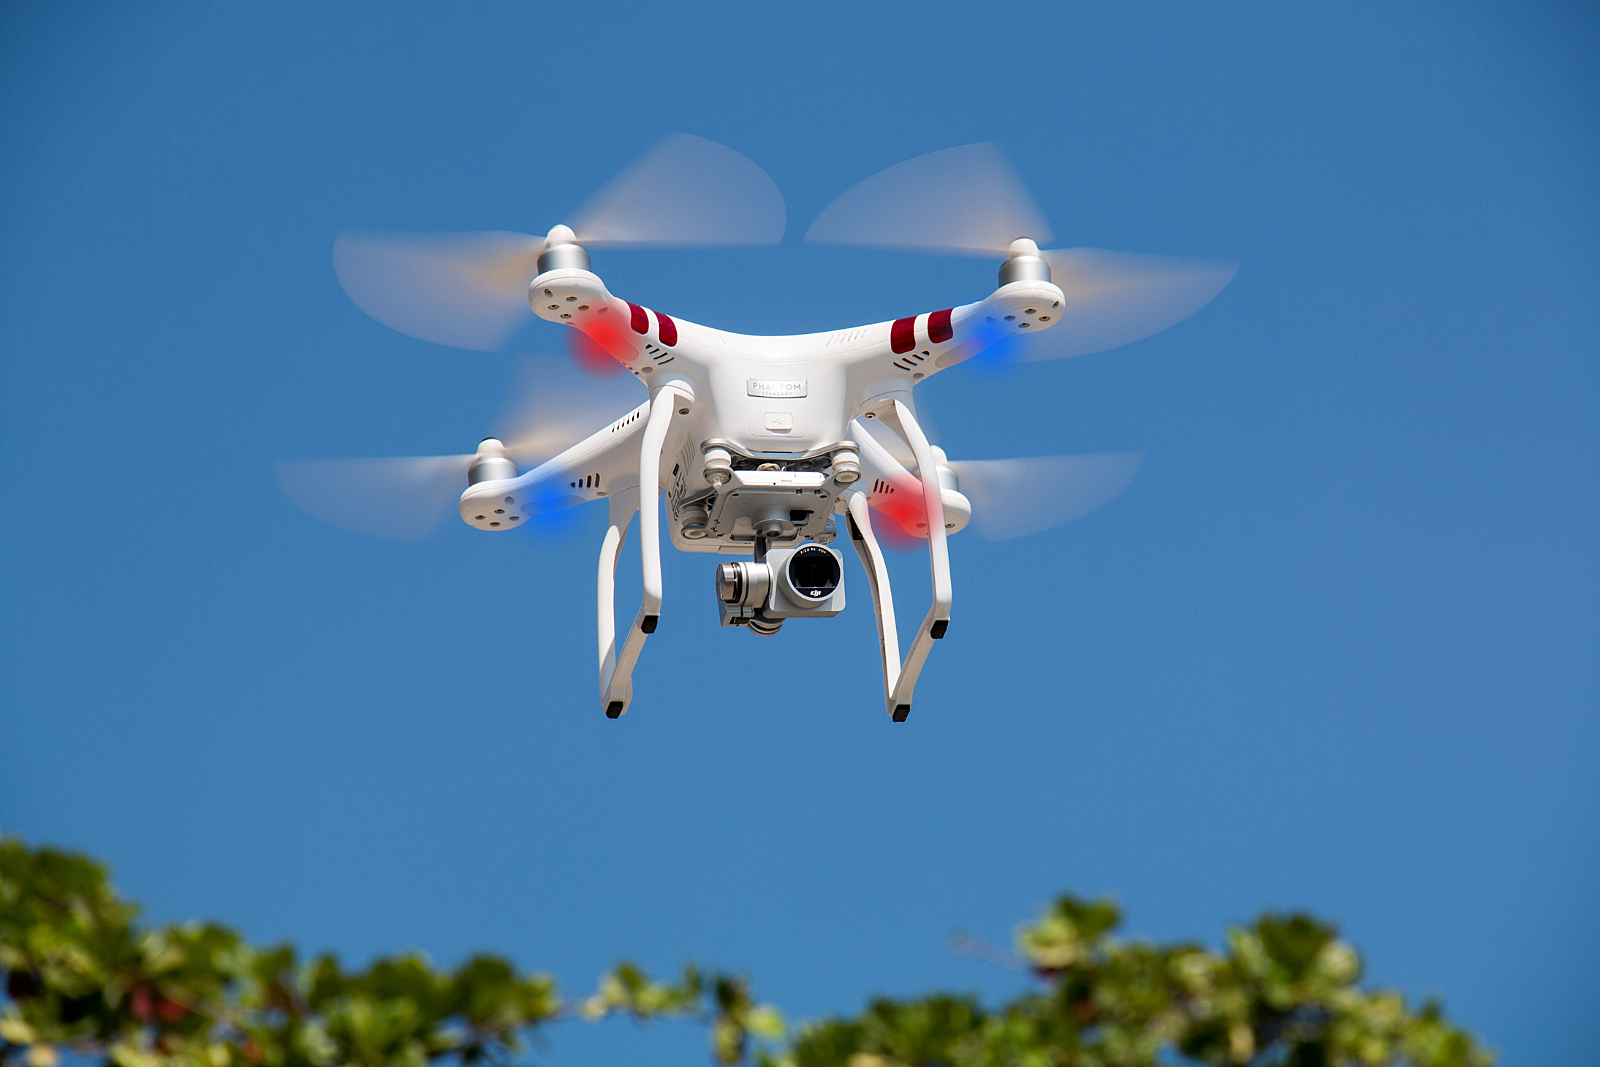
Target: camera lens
(814, 572)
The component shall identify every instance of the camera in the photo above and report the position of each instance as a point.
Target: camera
(803, 582)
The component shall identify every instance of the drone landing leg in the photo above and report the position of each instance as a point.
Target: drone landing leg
(866, 545)
(616, 682)
(623, 504)
(938, 618)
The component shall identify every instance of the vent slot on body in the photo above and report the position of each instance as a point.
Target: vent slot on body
(911, 361)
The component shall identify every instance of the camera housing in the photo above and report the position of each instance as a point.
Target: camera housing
(802, 582)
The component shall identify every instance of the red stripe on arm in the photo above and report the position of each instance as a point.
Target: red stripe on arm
(939, 326)
(638, 318)
(903, 335)
(666, 329)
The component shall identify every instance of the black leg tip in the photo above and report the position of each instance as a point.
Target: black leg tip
(614, 710)
(901, 711)
(648, 623)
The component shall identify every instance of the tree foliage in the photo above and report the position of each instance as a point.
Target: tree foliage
(81, 973)
(1284, 994)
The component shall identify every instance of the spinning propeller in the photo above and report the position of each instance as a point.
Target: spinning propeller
(470, 290)
(1010, 497)
(968, 201)
(1016, 497)
(406, 498)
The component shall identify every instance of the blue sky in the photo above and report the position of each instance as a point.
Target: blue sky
(1335, 648)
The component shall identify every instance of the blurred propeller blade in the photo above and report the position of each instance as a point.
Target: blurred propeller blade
(969, 200)
(555, 405)
(687, 191)
(552, 408)
(469, 290)
(1113, 298)
(1015, 497)
(400, 499)
(965, 200)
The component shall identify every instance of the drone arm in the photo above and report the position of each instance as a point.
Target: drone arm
(616, 678)
(866, 545)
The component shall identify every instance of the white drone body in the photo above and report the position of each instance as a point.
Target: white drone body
(771, 446)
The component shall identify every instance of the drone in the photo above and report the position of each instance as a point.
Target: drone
(766, 447)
